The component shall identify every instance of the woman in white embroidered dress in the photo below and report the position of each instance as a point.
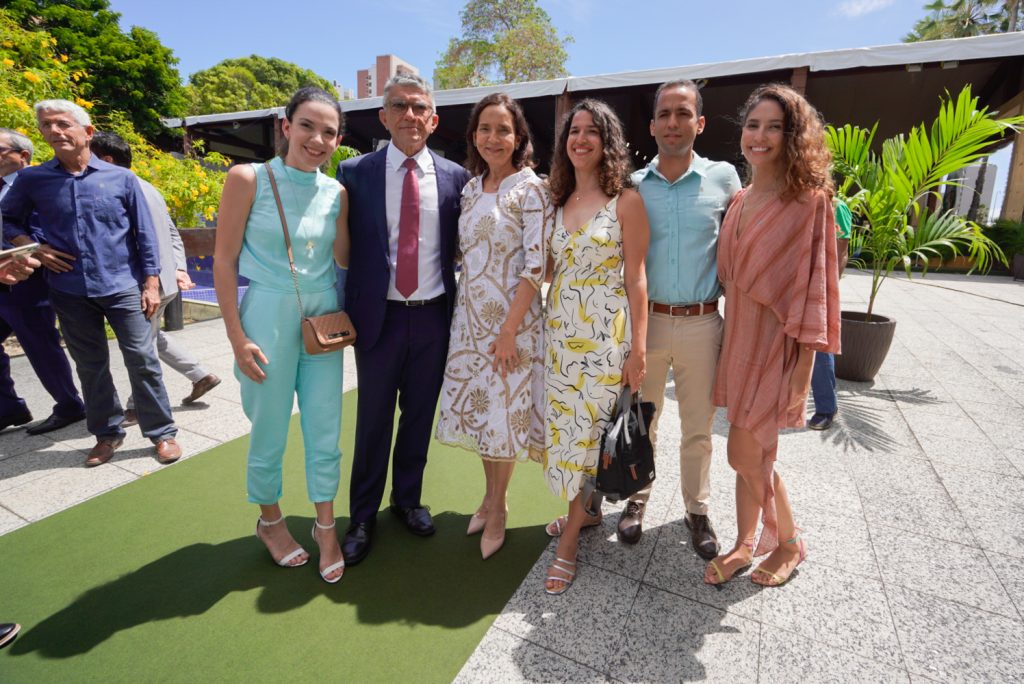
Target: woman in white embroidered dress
(494, 380)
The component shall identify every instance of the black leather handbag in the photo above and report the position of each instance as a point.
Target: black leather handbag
(626, 464)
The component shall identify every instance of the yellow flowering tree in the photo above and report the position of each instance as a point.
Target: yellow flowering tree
(31, 69)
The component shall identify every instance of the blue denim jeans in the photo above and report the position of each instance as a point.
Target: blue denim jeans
(81, 323)
(823, 383)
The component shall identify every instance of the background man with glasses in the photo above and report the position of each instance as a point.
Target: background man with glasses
(400, 292)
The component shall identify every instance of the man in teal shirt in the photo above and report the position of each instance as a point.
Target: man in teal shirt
(686, 197)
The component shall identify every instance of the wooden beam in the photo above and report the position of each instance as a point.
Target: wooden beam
(563, 103)
(1012, 107)
(798, 79)
(278, 136)
(1013, 201)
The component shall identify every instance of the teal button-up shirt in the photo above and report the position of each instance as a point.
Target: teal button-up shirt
(685, 217)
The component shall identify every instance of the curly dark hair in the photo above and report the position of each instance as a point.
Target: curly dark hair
(522, 156)
(615, 163)
(805, 157)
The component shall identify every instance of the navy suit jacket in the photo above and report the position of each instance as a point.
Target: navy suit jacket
(366, 290)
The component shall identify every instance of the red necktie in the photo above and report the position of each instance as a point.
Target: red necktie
(407, 279)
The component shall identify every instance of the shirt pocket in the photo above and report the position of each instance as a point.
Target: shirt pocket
(701, 213)
(108, 210)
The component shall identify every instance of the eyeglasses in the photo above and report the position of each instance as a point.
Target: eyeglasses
(400, 107)
(5, 150)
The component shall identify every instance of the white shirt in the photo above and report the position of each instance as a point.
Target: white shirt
(430, 283)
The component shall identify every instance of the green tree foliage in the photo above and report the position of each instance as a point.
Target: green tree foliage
(252, 82)
(503, 41)
(32, 69)
(129, 72)
(965, 18)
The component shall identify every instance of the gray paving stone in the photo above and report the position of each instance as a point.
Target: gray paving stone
(980, 453)
(955, 573)
(9, 521)
(1008, 570)
(16, 442)
(905, 492)
(839, 539)
(789, 657)
(971, 487)
(555, 622)
(1002, 435)
(62, 489)
(844, 610)
(675, 568)
(504, 657)
(1000, 530)
(19, 470)
(670, 638)
(952, 642)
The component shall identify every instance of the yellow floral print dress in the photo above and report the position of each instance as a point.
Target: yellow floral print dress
(588, 338)
(501, 239)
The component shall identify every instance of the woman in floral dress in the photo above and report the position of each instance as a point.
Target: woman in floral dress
(596, 309)
(494, 379)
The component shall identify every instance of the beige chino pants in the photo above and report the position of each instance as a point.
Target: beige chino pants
(689, 347)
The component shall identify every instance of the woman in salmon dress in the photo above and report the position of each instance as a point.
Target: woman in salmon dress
(777, 262)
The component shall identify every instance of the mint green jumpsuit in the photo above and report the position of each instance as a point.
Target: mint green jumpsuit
(270, 318)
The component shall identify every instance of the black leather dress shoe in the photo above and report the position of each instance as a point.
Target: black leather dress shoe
(54, 422)
(15, 419)
(417, 519)
(356, 543)
(702, 535)
(8, 631)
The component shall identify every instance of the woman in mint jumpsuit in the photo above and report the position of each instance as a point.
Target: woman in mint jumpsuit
(271, 362)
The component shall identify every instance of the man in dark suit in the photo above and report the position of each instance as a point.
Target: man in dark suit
(25, 311)
(400, 293)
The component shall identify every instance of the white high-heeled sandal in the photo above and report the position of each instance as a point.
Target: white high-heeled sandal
(340, 565)
(284, 562)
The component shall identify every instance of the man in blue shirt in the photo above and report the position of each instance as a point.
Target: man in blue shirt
(26, 312)
(686, 197)
(100, 248)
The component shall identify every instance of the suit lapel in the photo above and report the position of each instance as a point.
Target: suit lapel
(378, 188)
(444, 184)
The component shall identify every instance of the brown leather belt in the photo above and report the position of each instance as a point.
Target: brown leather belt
(685, 309)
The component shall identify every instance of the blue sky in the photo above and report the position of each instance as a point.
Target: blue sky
(336, 38)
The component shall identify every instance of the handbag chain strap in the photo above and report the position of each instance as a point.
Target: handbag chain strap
(287, 238)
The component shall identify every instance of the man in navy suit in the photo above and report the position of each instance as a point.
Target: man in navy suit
(26, 312)
(400, 293)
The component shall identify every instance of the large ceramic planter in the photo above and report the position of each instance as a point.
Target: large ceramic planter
(1017, 267)
(866, 342)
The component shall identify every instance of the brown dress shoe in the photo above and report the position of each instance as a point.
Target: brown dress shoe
(201, 387)
(702, 535)
(631, 523)
(102, 452)
(130, 418)
(167, 451)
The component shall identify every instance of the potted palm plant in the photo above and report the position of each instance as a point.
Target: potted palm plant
(895, 197)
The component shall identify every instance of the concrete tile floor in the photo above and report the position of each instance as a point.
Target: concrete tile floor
(910, 505)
